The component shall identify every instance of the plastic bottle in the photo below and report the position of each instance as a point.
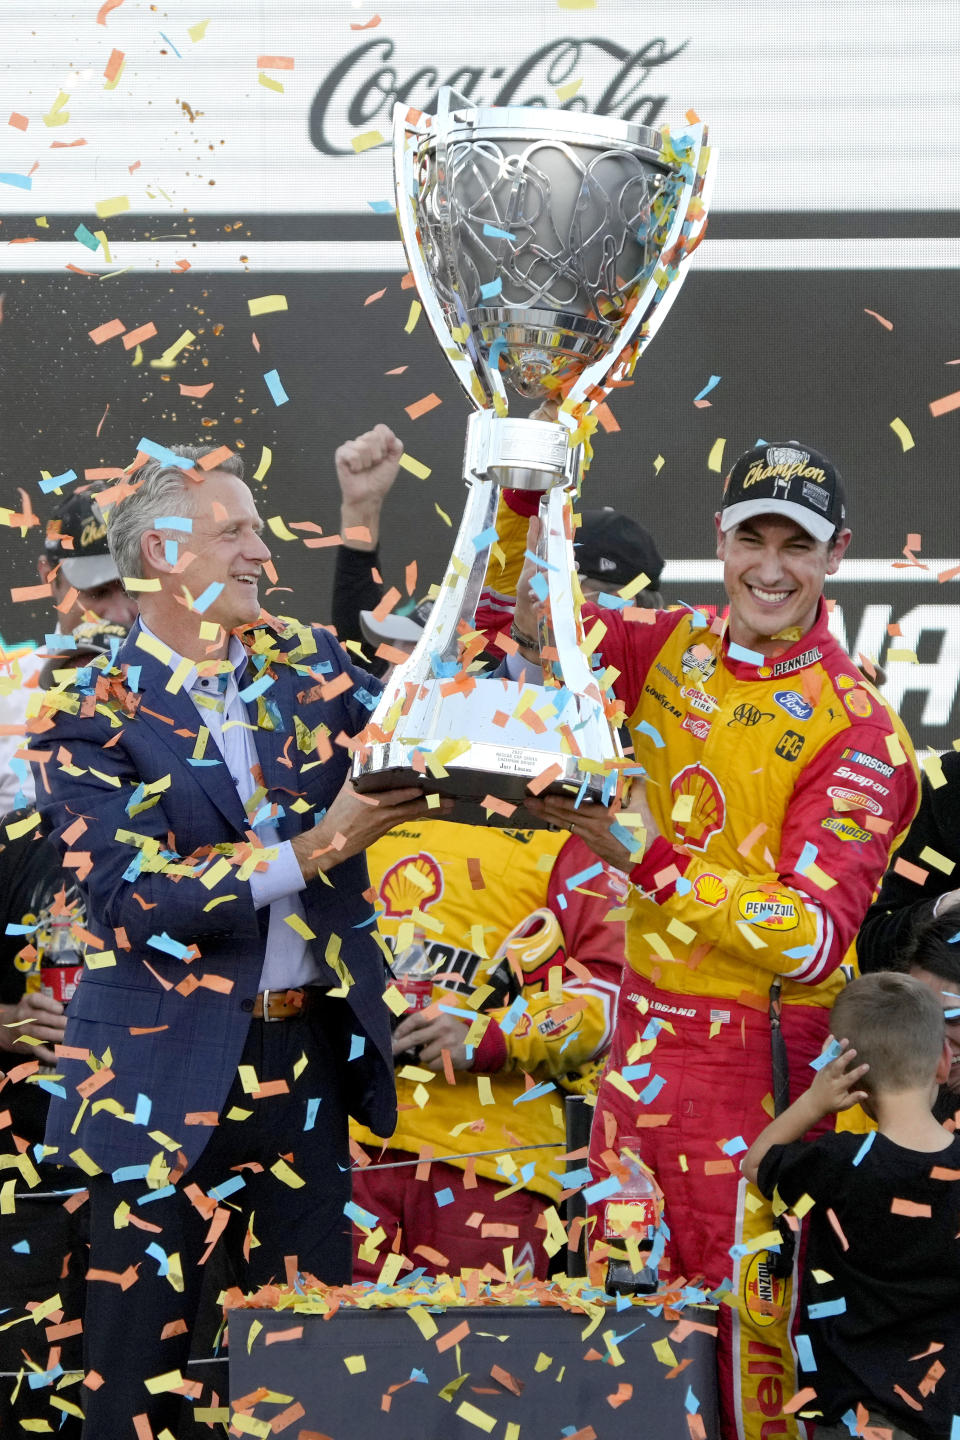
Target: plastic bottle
(61, 964)
(633, 1212)
(412, 975)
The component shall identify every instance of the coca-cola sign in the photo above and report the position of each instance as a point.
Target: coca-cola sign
(360, 91)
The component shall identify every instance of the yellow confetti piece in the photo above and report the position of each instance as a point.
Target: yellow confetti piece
(658, 464)
(567, 92)
(150, 643)
(902, 433)
(819, 877)
(267, 304)
(938, 861)
(366, 141)
(172, 1380)
(616, 1080)
(475, 1416)
(715, 458)
(933, 767)
(198, 31)
(356, 1364)
(395, 1001)
(22, 827)
(266, 458)
(822, 1277)
(682, 811)
(268, 83)
(390, 1270)
(83, 1162)
(683, 933)
(543, 1363)
(174, 350)
(287, 1175)
(664, 1352)
(485, 1090)
(276, 527)
(908, 657)
(416, 309)
(99, 961)
(8, 1203)
(114, 206)
(415, 467)
(424, 1322)
(443, 515)
(175, 683)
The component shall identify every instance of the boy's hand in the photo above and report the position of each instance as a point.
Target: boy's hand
(833, 1085)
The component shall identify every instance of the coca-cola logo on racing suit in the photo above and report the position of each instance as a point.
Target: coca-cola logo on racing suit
(360, 91)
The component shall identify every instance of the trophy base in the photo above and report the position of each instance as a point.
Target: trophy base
(475, 776)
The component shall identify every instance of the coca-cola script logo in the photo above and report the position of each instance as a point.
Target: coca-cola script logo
(360, 91)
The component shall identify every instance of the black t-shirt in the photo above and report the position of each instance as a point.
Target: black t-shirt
(891, 1308)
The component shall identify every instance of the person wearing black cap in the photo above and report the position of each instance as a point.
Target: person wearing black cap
(769, 786)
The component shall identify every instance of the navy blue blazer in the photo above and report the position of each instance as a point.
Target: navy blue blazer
(172, 1043)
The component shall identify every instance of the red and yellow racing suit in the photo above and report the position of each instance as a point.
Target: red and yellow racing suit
(472, 886)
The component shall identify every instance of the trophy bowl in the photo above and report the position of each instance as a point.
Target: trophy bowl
(547, 248)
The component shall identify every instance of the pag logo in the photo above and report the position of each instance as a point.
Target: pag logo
(708, 810)
(855, 797)
(764, 1296)
(845, 829)
(789, 745)
(768, 912)
(411, 884)
(794, 704)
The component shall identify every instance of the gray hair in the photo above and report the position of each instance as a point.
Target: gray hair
(162, 489)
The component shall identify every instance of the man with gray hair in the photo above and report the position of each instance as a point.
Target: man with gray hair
(198, 783)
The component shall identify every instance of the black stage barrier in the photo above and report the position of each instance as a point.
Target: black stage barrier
(519, 1371)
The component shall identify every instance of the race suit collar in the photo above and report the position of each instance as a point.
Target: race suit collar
(808, 650)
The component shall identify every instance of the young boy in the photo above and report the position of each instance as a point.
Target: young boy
(881, 1322)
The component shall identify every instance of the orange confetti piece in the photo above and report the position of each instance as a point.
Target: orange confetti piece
(275, 62)
(453, 1336)
(136, 337)
(197, 392)
(31, 592)
(498, 806)
(367, 24)
(377, 295)
(422, 407)
(887, 324)
(912, 1209)
(105, 9)
(945, 404)
(916, 873)
(215, 458)
(19, 122)
(106, 331)
(114, 65)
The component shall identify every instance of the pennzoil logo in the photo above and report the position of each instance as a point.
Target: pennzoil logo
(709, 807)
(412, 884)
(768, 912)
(764, 1296)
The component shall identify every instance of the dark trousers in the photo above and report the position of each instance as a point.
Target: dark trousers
(136, 1331)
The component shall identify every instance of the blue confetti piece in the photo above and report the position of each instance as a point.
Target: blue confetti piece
(274, 385)
(22, 1247)
(160, 1194)
(171, 550)
(539, 586)
(161, 1257)
(357, 1046)
(382, 207)
(690, 1403)
(808, 855)
(359, 1216)
(682, 885)
(573, 1179)
(535, 1092)
(419, 1376)
(645, 728)
(799, 952)
(251, 692)
(203, 602)
(492, 289)
(485, 538)
(652, 1090)
(169, 946)
(749, 657)
(610, 602)
(735, 1146)
(39, 1378)
(21, 929)
(510, 1021)
(129, 1172)
(313, 1105)
(652, 1028)
(711, 384)
(163, 454)
(173, 522)
(171, 44)
(804, 1352)
(602, 1189)
(832, 1051)
(22, 182)
(867, 1142)
(583, 876)
(561, 902)
(443, 1197)
(141, 1111)
(825, 1308)
(955, 1428)
(56, 482)
(227, 1187)
(636, 1072)
(495, 234)
(52, 1088)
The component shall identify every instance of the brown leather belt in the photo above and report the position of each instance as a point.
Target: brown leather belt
(281, 1004)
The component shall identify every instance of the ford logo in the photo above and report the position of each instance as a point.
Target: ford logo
(794, 704)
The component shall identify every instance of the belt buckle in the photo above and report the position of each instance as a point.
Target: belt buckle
(266, 1007)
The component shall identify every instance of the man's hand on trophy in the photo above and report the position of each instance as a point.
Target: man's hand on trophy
(431, 1036)
(354, 821)
(366, 470)
(592, 823)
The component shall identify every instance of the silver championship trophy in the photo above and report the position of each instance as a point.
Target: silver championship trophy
(547, 247)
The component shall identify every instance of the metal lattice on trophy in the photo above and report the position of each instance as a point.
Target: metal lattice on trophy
(547, 247)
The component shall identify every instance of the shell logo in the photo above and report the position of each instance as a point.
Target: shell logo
(709, 808)
(412, 884)
(709, 889)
